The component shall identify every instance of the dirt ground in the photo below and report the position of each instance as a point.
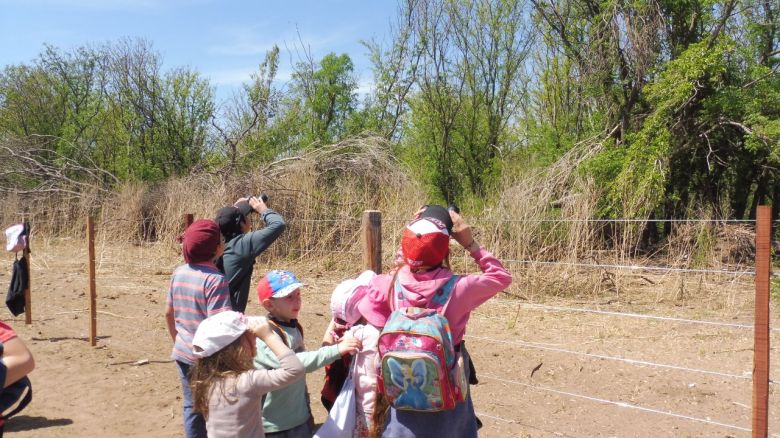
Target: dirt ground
(542, 371)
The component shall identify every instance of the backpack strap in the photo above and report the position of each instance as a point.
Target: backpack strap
(445, 293)
(441, 298)
(277, 327)
(392, 292)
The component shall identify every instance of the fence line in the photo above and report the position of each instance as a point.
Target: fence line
(504, 420)
(634, 267)
(616, 403)
(525, 344)
(717, 221)
(324, 251)
(346, 220)
(630, 315)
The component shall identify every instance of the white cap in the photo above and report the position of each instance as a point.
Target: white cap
(217, 332)
(347, 294)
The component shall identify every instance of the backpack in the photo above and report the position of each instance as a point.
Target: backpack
(19, 283)
(418, 368)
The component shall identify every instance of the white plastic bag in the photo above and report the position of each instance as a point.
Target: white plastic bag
(15, 238)
(341, 420)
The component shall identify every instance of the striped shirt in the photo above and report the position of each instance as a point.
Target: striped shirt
(196, 292)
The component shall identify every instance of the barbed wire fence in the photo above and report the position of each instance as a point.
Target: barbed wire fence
(340, 244)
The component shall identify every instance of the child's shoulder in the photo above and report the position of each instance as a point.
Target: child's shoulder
(363, 330)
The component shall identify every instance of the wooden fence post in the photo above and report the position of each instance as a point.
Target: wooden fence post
(28, 290)
(372, 240)
(187, 220)
(761, 336)
(92, 289)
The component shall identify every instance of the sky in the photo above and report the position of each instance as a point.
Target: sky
(223, 40)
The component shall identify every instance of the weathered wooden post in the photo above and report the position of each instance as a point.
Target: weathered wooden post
(761, 336)
(92, 288)
(372, 240)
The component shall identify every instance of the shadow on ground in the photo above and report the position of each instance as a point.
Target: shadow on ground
(25, 422)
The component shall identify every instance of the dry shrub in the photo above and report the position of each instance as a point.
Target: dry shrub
(538, 217)
(50, 214)
(321, 194)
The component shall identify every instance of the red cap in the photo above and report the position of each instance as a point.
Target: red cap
(425, 242)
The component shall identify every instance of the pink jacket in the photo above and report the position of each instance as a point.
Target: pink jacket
(469, 292)
(365, 368)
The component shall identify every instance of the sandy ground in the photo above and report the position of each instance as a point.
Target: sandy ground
(543, 372)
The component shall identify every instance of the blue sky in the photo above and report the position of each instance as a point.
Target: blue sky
(223, 40)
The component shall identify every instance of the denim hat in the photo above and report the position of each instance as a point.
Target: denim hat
(277, 284)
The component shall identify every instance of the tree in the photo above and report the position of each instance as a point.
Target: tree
(327, 95)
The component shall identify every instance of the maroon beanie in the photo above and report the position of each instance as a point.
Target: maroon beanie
(200, 241)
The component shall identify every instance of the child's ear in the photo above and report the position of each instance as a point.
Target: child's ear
(268, 303)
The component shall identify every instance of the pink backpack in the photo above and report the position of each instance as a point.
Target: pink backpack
(418, 368)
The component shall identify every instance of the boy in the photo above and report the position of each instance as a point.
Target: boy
(242, 245)
(197, 290)
(286, 411)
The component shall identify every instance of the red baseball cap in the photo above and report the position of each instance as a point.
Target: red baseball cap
(277, 284)
(425, 242)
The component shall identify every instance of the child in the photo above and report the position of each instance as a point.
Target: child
(336, 373)
(242, 245)
(425, 245)
(344, 307)
(197, 290)
(226, 388)
(286, 411)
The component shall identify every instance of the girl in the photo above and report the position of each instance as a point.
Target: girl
(226, 388)
(425, 246)
(348, 322)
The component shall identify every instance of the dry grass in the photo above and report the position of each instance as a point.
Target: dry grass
(322, 194)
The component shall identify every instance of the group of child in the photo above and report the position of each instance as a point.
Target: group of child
(244, 376)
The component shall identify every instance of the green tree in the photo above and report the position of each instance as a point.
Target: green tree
(327, 92)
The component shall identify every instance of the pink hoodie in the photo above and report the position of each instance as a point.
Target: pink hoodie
(469, 292)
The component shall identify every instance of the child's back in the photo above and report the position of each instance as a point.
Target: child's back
(420, 282)
(235, 402)
(364, 376)
(227, 390)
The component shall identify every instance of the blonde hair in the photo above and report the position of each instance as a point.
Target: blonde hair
(227, 362)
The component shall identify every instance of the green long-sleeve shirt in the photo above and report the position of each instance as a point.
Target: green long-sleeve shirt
(238, 261)
(288, 407)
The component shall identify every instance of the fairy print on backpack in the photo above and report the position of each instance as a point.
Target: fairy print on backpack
(418, 363)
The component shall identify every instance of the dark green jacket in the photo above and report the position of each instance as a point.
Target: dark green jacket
(238, 261)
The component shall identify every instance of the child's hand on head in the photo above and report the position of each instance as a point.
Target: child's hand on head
(461, 231)
(260, 327)
(349, 345)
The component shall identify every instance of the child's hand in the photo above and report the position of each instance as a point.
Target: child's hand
(461, 232)
(349, 345)
(257, 204)
(260, 327)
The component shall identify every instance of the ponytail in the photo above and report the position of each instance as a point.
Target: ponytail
(379, 418)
